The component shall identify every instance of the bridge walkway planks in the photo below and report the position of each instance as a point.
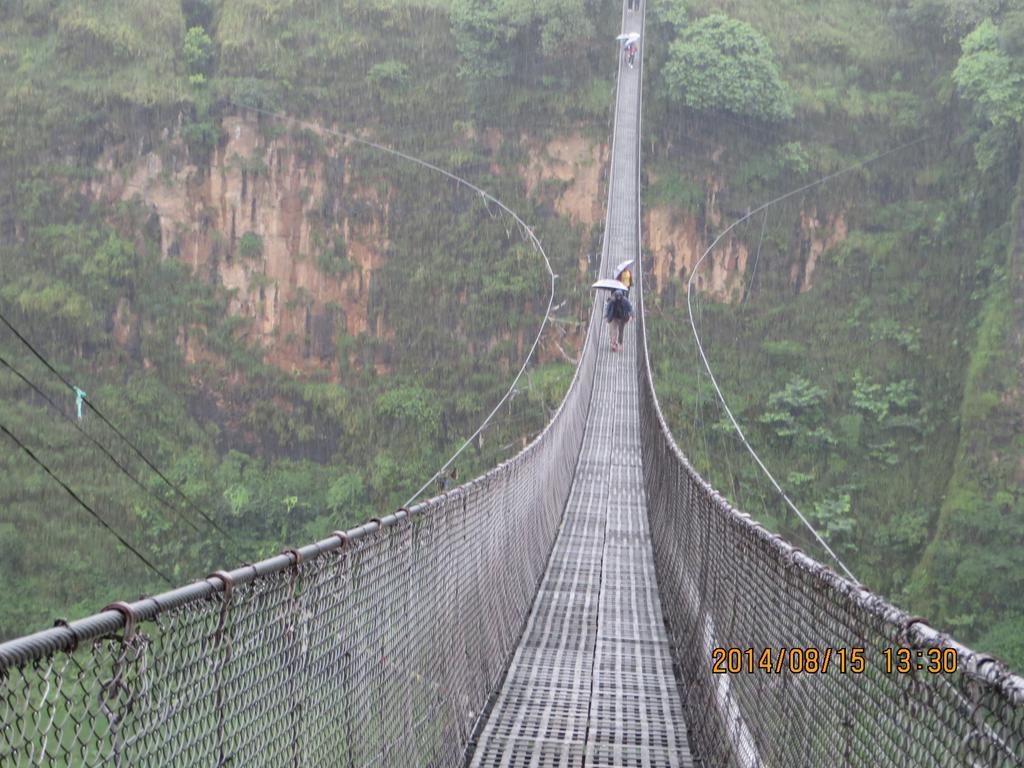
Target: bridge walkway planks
(591, 683)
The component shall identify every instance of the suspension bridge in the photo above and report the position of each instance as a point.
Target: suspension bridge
(574, 606)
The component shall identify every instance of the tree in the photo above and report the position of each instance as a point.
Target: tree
(795, 409)
(954, 18)
(250, 246)
(491, 35)
(481, 30)
(993, 79)
(721, 64)
(198, 52)
(987, 75)
(835, 521)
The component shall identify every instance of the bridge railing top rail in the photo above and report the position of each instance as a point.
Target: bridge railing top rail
(66, 636)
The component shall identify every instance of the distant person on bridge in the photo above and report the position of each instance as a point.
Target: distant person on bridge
(625, 277)
(624, 274)
(617, 311)
(631, 53)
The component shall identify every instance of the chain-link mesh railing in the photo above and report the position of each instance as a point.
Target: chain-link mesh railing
(375, 647)
(812, 670)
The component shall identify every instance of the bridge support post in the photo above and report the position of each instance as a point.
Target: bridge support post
(222, 638)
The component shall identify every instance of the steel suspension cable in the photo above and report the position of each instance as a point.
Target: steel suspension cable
(99, 518)
(700, 346)
(524, 228)
(106, 452)
(135, 449)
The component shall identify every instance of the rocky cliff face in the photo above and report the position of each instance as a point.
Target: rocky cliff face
(275, 223)
(574, 166)
(278, 220)
(677, 238)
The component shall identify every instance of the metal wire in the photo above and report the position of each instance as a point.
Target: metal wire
(525, 231)
(100, 446)
(104, 523)
(88, 403)
(377, 647)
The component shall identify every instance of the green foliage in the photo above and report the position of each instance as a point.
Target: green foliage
(201, 137)
(482, 28)
(495, 38)
(784, 351)
(720, 64)
(844, 391)
(409, 408)
(345, 493)
(967, 572)
(1005, 639)
(125, 49)
(993, 80)
(833, 519)
(786, 161)
(905, 325)
(954, 17)
(987, 75)
(250, 246)
(198, 51)
(868, 397)
(391, 73)
(334, 261)
(676, 190)
(566, 23)
(273, 455)
(199, 13)
(794, 409)
(674, 13)
(549, 383)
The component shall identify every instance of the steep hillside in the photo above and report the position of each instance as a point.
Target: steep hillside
(296, 330)
(863, 330)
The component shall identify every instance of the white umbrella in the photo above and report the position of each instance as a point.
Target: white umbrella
(628, 37)
(622, 266)
(624, 35)
(611, 285)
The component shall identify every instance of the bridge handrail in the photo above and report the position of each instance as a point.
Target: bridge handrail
(106, 685)
(66, 636)
(975, 714)
(471, 557)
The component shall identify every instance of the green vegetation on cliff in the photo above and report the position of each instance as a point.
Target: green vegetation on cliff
(863, 332)
(124, 308)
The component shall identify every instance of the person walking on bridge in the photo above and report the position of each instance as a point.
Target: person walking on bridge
(631, 53)
(624, 274)
(617, 311)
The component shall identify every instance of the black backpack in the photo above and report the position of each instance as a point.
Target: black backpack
(618, 308)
